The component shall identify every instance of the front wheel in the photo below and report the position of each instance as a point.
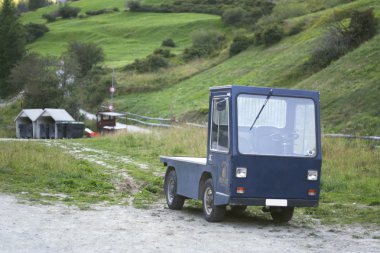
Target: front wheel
(174, 201)
(211, 212)
(281, 214)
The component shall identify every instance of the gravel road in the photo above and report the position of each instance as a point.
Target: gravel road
(26, 227)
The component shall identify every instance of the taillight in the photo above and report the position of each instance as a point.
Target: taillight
(312, 192)
(240, 190)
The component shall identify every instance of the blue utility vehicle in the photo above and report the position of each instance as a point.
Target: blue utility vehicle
(263, 149)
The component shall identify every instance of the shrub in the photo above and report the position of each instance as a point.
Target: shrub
(239, 44)
(205, 43)
(334, 44)
(209, 41)
(233, 16)
(363, 26)
(50, 17)
(156, 62)
(96, 12)
(295, 29)
(153, 62)
(35, 31)
(268, 34)
(168, 43)
(340, 39)
(68, 12)
(163, 52)
(35, 4)
(86, 54)
(133, 5)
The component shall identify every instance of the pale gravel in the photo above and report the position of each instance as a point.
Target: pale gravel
(35, 228)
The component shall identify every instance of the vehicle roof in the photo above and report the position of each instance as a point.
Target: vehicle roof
(237, 89)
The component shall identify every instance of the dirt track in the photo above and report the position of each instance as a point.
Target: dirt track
(58, 228)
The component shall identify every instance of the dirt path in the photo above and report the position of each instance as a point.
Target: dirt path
(58, 228)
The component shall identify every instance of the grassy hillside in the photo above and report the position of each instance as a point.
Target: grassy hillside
(124, 36)
(349, 86)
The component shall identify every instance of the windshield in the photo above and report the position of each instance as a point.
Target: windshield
(286, 126)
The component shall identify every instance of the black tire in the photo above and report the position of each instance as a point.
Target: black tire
(281, 214)
(238, 210)
(174, 201)
(212, 213)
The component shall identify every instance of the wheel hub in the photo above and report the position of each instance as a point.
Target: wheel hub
(209, 200)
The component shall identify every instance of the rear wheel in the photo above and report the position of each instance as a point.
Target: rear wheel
(211, 212)
(281, 214)
(174, 201)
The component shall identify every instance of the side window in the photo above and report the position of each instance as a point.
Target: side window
(219, 140)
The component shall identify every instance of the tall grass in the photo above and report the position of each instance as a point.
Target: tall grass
(178, 141)
(40, 172)
(351, 171)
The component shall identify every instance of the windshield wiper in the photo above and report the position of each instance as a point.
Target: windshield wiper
(261, 110)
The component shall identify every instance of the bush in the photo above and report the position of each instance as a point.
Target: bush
(68, 12)
(239, 44)
(268, 34)
(35, 31)
(50, 17)
(205, 43)
(168, 43)
(163, 52)
(87, 55)
(233, 16)
(363, 26)
(35, 4)
(151, 63)
(133, 5)
(156, 62)
(209, 41)
(334, 44)
(96, 12)
(339, 39)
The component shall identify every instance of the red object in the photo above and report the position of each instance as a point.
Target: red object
(90, 133)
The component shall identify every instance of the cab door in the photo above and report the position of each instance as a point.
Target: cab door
(219, 147)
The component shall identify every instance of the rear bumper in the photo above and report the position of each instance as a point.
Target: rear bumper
(261, 202)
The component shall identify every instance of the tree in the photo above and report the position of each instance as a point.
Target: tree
(35, 4)
(12, 44)
(88, 55)
(38, 76)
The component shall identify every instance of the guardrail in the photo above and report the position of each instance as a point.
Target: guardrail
(349, 136)
(160, 122)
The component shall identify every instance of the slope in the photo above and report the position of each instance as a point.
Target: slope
(349, 87)
(124, 36)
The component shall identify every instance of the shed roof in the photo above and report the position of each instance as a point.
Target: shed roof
(32, 114)
(57, 114)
